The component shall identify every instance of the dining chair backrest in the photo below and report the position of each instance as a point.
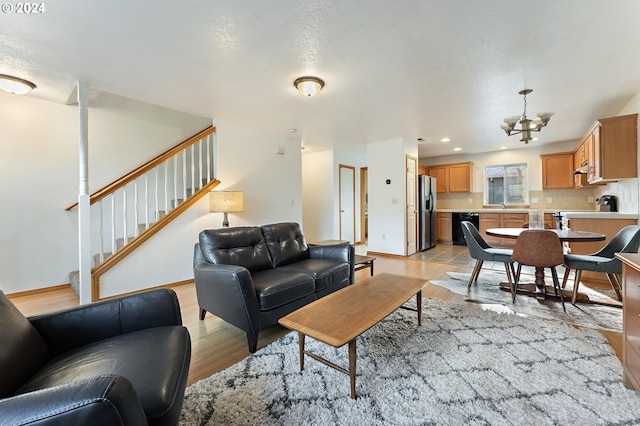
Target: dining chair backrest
(539, 248)
(627, 240)
(475, 242)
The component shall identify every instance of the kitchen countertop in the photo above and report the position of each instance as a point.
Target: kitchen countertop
(598, 215)
(580, 214)
(490, 210)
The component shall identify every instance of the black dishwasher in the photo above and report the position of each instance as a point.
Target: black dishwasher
(456, 231)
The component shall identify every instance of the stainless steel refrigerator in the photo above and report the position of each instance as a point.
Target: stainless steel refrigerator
(427, 212)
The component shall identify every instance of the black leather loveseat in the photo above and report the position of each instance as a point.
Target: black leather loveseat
(119, 362)
(253, 276)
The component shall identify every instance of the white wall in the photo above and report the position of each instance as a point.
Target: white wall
(272, 187)
(39, 169)
(318, 189)
(386, 161)
(39, 174)
(321, 189)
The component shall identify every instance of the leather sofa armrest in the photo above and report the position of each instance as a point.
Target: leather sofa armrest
(70, 328)
(334, 251)
(104, 400)
(343, 252)
(227, 291)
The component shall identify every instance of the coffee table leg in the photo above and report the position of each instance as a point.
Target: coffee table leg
(301, 346)
(352, 367)
(419, 305)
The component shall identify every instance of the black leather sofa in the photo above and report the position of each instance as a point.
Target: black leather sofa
(119, 362)
(253, 276)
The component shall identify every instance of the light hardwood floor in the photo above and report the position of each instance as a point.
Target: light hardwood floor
(217, 345)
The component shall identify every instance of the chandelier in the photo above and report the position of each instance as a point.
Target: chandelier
(526, 125)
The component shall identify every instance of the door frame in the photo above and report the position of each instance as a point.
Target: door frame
(363, 200)
(415, 203)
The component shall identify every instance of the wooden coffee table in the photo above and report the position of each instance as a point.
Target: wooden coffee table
(341, 317)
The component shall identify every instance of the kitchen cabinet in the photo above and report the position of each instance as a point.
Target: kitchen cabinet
(441, 173)
(450, 178)
(557, 170)
(549, 221)
(422, 170)
(501, 220)
(631, 320)
(487, 221)
(610, 146)
(460, 177)
(444, 223)
(609, 227)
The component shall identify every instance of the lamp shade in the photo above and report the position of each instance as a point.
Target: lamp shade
(226, 201)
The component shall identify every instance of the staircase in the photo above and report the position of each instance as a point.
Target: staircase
(131, 209)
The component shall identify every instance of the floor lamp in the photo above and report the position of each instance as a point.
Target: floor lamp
(225, 202)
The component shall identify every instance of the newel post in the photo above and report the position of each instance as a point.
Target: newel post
(84, 215)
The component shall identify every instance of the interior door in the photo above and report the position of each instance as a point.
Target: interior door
(412, 210)
(347, 189)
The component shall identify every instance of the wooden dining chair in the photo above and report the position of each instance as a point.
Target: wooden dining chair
(541, 249)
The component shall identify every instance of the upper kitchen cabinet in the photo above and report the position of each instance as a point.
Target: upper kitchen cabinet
(451, 177)
(557, 170)
(612, 145)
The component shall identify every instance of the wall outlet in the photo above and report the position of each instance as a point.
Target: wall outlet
(549, 200)
(394, 201)
(470, 200)
(534, 200)
(590, 199)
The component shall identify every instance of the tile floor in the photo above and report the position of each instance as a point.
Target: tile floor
(446, 253)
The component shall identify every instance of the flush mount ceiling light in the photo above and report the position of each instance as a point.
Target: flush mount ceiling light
(526, 125)
(309, 86)
(15, 85)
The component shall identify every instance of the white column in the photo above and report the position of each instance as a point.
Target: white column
(84, 213)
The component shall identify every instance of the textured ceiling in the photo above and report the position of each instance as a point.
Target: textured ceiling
(410, 68)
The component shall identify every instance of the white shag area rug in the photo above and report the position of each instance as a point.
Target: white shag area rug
(487, 290)
(462, 366)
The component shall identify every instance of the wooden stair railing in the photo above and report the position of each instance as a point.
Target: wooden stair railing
(187, 172)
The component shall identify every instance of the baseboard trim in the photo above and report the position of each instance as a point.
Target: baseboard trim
(376, 253)
(43, 290)
(39, 290)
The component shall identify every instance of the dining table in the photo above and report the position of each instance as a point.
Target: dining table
(565, 235)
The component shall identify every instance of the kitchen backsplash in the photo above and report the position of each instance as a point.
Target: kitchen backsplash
(551, 199)
(626, 191)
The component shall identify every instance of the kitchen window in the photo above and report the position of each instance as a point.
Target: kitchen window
(506, 185)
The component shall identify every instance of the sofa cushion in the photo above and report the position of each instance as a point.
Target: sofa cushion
(285, 242)
(325, 272)
(137, 356)
(277, 287)
(22, 349)
(241, 246)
